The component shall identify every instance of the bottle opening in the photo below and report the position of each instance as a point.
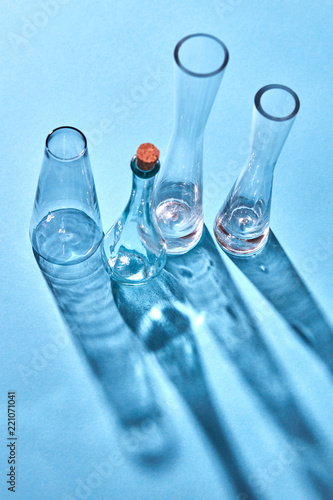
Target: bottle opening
(201, 55)
(144, 174)
(66, 143)
(277, 102)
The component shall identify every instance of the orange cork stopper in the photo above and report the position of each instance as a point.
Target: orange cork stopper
(147, 156)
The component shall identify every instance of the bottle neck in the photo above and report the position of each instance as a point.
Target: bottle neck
(142, 186)
(267, 139)
(194, 98)
(253, 187)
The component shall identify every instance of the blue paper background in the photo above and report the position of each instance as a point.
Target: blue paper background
(107, 69)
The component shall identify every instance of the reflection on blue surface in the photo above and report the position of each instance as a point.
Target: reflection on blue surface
(83, 295)
(274, 275)
(210, 289)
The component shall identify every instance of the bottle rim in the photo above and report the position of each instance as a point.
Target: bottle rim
(65, 158)
(276, 86)
(193, 73)
(144, 174)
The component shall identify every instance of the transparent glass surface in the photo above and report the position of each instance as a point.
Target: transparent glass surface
(134, 249)
(200, 61)
(65, 225)
(242, 223)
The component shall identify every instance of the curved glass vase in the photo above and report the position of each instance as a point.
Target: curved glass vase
(200, 61)
(242, 223)
(134, 249)
(66, 226)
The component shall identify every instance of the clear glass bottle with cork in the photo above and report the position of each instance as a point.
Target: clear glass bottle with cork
(134, 249)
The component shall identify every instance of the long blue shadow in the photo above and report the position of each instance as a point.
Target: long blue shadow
(211, 291)
(84, 297)
(159, 313)
(274, 275)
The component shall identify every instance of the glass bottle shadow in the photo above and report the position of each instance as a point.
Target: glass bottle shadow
(84, 297)
(273, 274)
(159, 313)
(212, 292)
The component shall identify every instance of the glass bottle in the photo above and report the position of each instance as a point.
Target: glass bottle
(242, 223)
(200, 61)
(134, 249)
(66, 226)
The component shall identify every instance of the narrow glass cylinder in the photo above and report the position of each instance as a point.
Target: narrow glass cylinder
(200, 61)
(65, 226)
(242, 223)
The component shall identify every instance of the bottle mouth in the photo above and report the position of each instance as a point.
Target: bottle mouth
(144, 174)
(201, 55)
(66, 143)
(277, 102)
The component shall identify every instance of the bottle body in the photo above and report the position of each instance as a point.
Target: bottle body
(178, 197)
(66, 236)
(134, 250)
(242, 223)
(66, 226)
(200, 61)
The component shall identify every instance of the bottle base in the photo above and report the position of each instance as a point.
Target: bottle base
(183, 244)
(179, 216)
(237, 246)
(132, 268)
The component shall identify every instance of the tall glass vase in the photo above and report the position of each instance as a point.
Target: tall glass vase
(200, 61)
(242, 223)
